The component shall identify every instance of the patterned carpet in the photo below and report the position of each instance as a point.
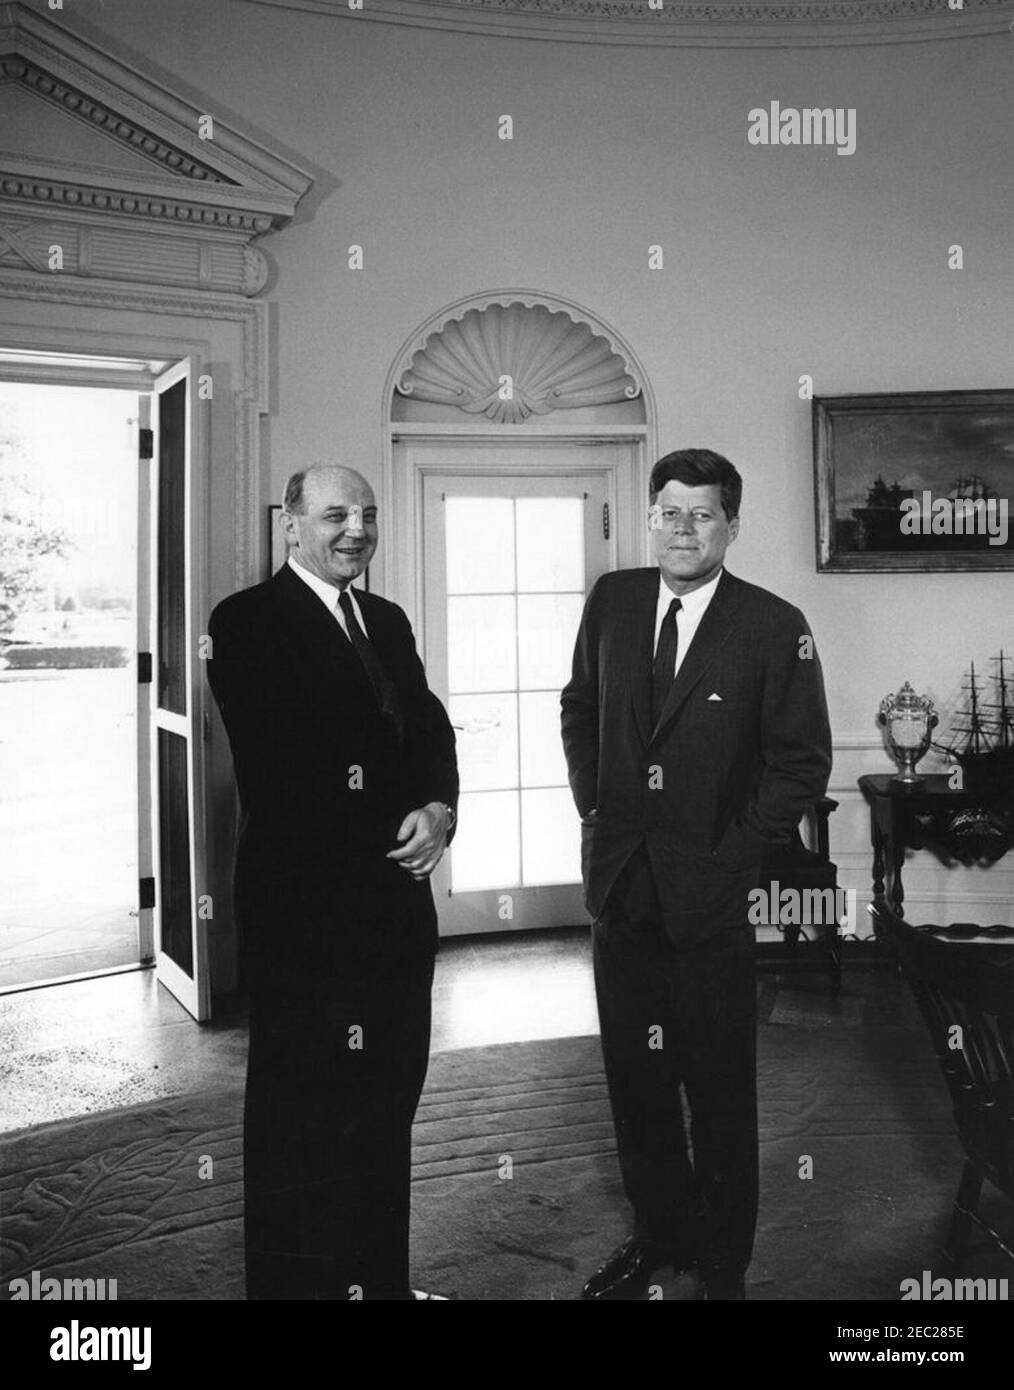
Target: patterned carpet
(517, 1192)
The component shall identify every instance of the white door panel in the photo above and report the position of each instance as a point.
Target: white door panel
(180, 915)
(509, 561)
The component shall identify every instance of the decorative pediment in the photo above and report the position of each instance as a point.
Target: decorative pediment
(510, 361)
(126, 178)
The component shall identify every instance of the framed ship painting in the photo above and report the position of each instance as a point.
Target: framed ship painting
(914, 482)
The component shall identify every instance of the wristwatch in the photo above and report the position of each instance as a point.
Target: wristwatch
(452, 815)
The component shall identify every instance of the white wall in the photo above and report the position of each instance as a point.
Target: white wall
(778, 262)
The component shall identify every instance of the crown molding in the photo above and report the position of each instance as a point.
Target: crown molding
(182, 215)
(718, 23)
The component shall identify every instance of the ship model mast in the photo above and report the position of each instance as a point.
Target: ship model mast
(983, 742)
(1003, 723)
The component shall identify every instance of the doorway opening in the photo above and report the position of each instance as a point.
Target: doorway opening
(510, 557)
(68, 681)
(511, 537)
(519, 430)
(101, 759)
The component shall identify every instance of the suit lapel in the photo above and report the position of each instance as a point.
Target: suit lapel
(639, 631)
(316, 630)
(713, 632)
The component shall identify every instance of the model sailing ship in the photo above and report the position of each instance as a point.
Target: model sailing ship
(982, 739)
(982, 745)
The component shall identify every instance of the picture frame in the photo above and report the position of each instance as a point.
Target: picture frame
(277, 551)
(914, 481)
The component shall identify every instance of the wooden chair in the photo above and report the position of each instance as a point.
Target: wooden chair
(794, 866)
(965, 991)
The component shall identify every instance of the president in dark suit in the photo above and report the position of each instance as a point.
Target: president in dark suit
(696, 734)
(348, 785)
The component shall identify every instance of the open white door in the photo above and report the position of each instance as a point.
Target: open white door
(145, 703)
(180, 909)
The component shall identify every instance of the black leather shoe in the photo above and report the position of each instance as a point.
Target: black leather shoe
(627, 1273)
(723, 1285)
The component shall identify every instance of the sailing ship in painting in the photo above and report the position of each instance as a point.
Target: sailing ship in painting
(884, 521)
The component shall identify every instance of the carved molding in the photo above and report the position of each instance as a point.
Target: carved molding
(42, 189)
(109, 249)
(16, 245)
(250, 391)
(686, 12)
(527, 299)
(186, 222)
(510, 361)
(680, 23)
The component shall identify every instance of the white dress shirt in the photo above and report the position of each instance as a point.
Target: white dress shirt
(329, 595)
(688, 617)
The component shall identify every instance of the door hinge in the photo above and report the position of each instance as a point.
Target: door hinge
(145, 445)
(605, 521)
(144, 668)
(145, 892)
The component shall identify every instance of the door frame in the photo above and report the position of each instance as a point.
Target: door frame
(133, 376)
(513, 906)
(402, 543)
(227, 336)
(104, 371)
(193, 991)
(396, 577)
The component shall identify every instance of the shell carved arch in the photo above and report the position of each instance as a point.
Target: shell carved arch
(509, 360)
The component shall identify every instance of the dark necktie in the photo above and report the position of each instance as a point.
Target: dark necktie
(665, 662)
(383, 686)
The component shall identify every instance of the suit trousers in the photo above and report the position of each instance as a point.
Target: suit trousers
(672, 1019)
(333, 1080)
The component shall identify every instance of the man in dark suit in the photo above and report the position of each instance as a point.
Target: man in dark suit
(696, 734)
(348, 785)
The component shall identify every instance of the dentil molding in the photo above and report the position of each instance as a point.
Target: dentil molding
(169, 193)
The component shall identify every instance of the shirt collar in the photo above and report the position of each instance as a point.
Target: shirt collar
(327, 593)
(694, 603)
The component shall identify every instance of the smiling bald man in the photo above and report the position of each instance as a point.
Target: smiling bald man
(348, 788)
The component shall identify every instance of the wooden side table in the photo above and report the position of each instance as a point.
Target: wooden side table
(903, 817)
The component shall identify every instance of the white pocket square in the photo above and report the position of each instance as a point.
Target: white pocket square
(714, 696)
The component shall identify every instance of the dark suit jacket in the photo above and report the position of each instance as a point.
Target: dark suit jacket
(735, 774)
(313, 888)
